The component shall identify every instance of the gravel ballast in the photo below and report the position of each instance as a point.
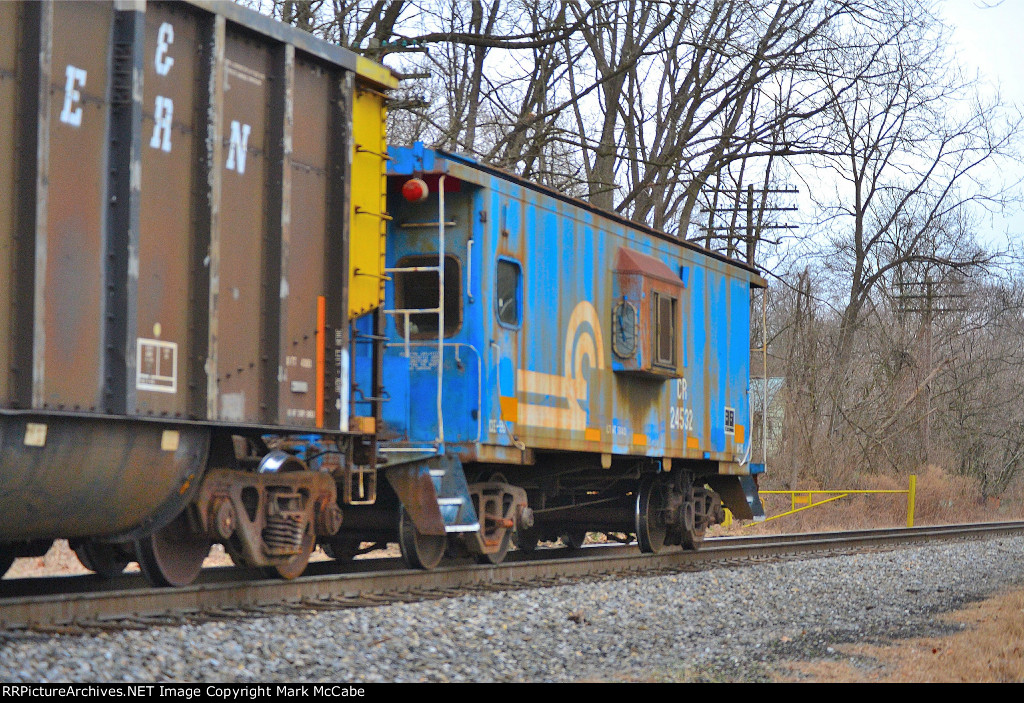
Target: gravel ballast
(724, 624)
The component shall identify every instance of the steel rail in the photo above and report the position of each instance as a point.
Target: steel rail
(87, 602)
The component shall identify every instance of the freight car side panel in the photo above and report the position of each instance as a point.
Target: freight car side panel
(175, 190)
(304, 247)
(567, 395)
(739, 361)
(70, 267)
(716, 367)
(243, 237)
(691, 404)
(172, 141)
(10, 79)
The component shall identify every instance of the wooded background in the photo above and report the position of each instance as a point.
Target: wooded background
(895, 319)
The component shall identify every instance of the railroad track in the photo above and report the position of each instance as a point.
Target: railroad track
(87, 603)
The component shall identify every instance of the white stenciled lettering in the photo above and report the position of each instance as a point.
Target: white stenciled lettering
(238, 146)
(680, 418)
(72, 112)
(163, 114)
(164, 39)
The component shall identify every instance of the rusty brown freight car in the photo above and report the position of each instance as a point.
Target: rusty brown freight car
(176, 226)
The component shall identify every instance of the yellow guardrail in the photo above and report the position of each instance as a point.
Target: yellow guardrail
(805, 499)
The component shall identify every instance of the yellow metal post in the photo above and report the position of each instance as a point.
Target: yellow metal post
(911, 497)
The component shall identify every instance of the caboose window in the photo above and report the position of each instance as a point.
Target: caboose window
(509, 292)
(418, 290)
(664, 331)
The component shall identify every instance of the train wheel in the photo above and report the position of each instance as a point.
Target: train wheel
(419, 551)
(499, 511)
(173, 555)
(710, 504)
(498, 556)
(692, 531)
(107, 560)
(7, 557)
(651, 503)
(342, 549)
(573, 539)
(294, 567)
(693, 539)
(526, 540)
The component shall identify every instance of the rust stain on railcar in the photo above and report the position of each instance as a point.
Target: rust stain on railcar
(642, 285)
(304, 248)
(243, 229)
(167, 228)
(596, 397)
(68, 374)
(10, 193)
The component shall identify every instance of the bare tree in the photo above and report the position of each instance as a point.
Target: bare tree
(654, 109)
(905, 144)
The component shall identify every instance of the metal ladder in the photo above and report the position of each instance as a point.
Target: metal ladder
(454, 503)
(406, 313)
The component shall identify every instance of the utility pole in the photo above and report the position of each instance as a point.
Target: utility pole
(925, 298)
(743, 201)
(744, 221)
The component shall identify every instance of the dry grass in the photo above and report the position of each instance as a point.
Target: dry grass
(941, 499)
(990, 649)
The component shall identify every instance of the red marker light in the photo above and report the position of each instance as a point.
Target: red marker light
(415, 190)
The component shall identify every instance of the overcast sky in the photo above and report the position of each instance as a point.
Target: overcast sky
(989, 43)
(988, 36)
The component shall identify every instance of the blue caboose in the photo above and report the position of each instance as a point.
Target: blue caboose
(553, 369)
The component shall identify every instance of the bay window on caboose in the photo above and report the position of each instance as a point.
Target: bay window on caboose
(646, 323)
(665, 331)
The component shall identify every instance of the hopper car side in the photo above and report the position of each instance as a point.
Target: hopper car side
(183, 188)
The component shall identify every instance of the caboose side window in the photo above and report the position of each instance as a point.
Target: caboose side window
(417, 290)
(664, 330)
(509, 292)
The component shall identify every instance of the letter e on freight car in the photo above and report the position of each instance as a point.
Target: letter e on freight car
(70, 114)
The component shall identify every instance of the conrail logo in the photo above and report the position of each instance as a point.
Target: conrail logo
(584, 343)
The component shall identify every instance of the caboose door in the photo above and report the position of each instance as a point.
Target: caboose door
(432, 368)
(507, 320)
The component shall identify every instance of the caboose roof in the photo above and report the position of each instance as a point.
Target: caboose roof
(419, 160)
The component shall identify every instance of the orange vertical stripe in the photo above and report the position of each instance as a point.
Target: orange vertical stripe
(321, 342)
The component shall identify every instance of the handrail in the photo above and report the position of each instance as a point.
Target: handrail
(440, 315)
(439, 310)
